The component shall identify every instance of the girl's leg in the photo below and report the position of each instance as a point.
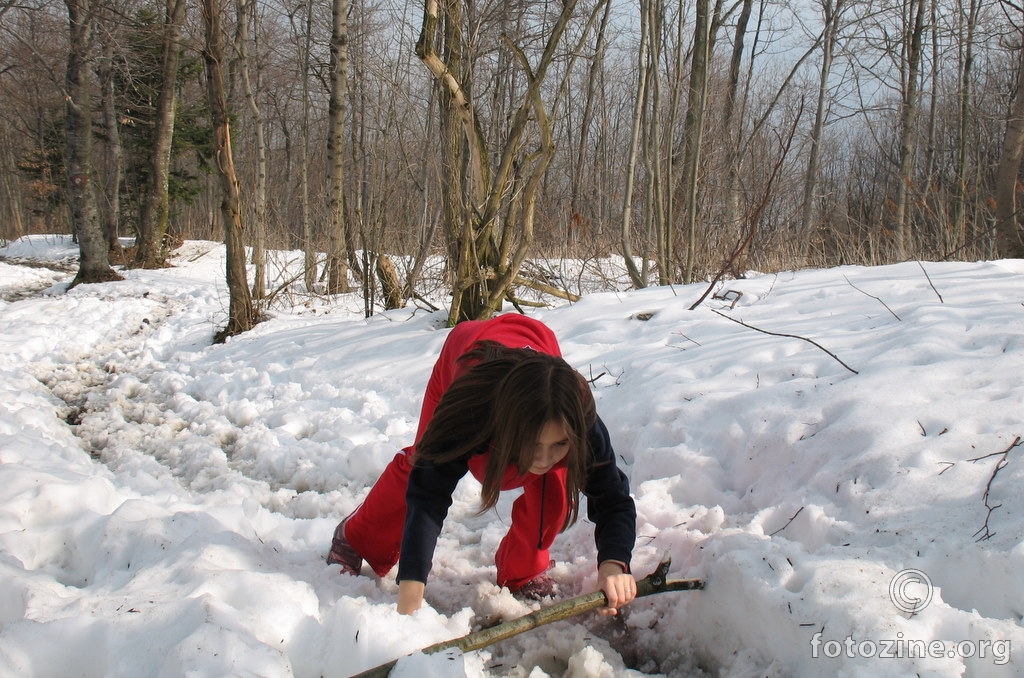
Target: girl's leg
(375, 528)
(537, 518)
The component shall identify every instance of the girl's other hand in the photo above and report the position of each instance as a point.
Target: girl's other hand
(410, 596)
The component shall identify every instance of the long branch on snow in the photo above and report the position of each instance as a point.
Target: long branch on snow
(656, 582)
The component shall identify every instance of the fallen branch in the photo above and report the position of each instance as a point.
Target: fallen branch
(656, 582)
(547, 289)
(788, 336)
(726, 296)
(1000, 465)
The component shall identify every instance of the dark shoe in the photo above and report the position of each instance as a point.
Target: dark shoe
(538, 588)
(342, 552)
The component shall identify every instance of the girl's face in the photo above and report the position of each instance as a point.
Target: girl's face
(552, 447)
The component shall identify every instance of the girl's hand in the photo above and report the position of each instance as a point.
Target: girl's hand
(410, 596)
(617, 584)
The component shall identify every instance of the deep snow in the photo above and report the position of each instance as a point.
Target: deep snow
(165, 503)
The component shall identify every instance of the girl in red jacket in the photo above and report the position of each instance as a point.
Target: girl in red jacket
(502, 404)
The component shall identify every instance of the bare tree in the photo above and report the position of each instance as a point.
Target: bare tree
(245, 12)
(12, 225)
(338, 225)
(153, 219)
(94, 266)
(832, 17)
(488, 254)
(644, 68)
(912, 47)
(1009, 232)
(589, 103)
(241, 315)
(963, 233)
(731, 131)
(110, 205)
(304, 34)
(693, 129)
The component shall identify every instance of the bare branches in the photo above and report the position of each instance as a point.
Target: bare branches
(757, 213)
(873, 297)
(941, 300)
(789, 336)
(985, 532)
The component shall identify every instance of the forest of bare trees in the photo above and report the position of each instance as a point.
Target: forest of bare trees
(694, 138)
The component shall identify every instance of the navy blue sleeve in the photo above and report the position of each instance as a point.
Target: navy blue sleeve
(428, 497)
(609, 504)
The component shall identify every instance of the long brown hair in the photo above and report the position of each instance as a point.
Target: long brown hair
(500, 403)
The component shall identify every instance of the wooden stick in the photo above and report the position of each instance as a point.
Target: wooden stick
(656, 582)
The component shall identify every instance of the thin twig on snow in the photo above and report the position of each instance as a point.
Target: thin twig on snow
(788, 336)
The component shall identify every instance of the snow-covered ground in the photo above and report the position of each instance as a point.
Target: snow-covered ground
(166, 503)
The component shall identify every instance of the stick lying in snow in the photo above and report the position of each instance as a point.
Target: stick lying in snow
(656, 582)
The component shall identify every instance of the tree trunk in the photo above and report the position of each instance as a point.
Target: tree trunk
(912, 47)
(831, 14)
(640, 104)
(308, 242)
(12, 225)
(1009, 234)
(241, 316)
(657, 195)
(730, 129)
(465, 171)
(522, 209)
(963, 233)
(596, 64)
(94, 266)
(693, 129)
(391, 287)
(338, 258)
(150, 251)
(110, 206)
(246, 14)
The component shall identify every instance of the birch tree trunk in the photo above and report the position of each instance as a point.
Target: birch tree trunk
(338, 223)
